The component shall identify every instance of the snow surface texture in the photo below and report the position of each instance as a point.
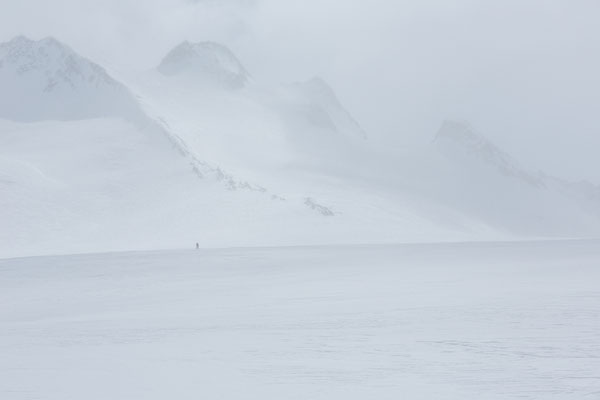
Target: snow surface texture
(194, 150)
(433, 321)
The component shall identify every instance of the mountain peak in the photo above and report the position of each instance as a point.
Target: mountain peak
(319, 88)
(18, 41)
(323, 98)
(58, 61)
(462, 132)
(209, 62)
(46, 79)
(459, 137)
(21, 47)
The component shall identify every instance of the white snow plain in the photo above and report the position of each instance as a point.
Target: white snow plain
(504, 320)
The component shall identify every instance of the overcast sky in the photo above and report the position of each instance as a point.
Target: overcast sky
(523, 72)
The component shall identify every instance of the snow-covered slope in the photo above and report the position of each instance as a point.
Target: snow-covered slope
(459, 139)
(45, 79)
(77, 175)
(322, 106)
(173, 156)
(483, 181)
(254, 126)
(96, 184)
(105, 183)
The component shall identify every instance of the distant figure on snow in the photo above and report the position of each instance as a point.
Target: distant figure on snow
(197, 246)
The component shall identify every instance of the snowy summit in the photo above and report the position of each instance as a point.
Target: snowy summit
(460, 138)
(321, 96)
(45, 79)
(208, 62)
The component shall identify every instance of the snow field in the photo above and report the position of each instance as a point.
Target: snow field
(503, 320)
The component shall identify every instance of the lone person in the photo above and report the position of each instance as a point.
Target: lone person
(197, 246)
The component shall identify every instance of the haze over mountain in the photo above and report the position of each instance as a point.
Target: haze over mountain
(45, 79)
(195, 150)
(208, 62)
(324, 200)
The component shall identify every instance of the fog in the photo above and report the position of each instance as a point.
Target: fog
(318, 199)
(522, 72)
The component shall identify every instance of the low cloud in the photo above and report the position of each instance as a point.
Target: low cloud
(525, 73)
